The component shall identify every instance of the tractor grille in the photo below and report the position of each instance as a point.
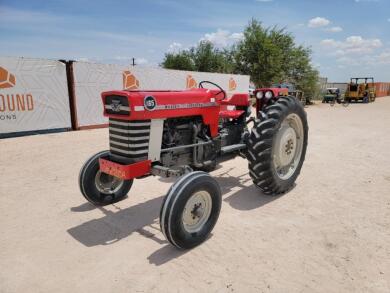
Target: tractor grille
(118, 105)
(129, 138)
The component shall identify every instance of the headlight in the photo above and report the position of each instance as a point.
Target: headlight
(268, 94)
(259, 95)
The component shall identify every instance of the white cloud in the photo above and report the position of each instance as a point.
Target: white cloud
(388, 19)
(236, 36)
(352, 45)
(349, 61)
(141, 61)
(263, 0)
(318, 22)
(384, 57)
(83, 59)
(175, 47)
(334, 29)
(127, 60)
(222, 38)
(329, 43)
(367, 60)
(122, 58)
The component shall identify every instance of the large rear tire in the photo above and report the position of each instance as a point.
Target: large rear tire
(100, 188)
(190, 210)
(277, 146)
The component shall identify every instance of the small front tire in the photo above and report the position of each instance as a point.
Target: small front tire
(100, 188)
(190, 210)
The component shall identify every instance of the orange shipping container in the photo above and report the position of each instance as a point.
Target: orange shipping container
(382, 89)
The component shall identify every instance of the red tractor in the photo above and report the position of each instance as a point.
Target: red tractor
(185, 134)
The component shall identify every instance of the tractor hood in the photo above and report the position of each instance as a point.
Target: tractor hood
(151, 104)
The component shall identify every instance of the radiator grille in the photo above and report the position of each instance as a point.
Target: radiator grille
(118, 105)
(129, 138)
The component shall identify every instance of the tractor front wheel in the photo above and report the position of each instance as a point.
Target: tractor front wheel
(190, 210)
(100, 188)
(277, 146)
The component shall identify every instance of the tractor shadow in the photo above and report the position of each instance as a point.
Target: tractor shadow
(243, 194)
(113, 226)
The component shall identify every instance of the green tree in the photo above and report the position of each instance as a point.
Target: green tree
(179, 61)
(270, 55)
(203, 57)
(260, 55)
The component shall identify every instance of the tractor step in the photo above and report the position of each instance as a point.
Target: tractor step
(162, 171)
(232, 148)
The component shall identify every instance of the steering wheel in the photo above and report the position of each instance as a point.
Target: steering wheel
(214, 84)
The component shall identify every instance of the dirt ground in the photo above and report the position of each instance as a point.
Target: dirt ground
(331, 233)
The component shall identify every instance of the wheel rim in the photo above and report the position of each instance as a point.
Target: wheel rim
(107, 184)
(288, 147)
(197, 211)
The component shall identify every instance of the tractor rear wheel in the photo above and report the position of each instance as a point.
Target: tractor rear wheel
(100, 188)
(190, 210)
(277, 146)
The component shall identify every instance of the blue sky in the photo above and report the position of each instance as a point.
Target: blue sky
(348, 37)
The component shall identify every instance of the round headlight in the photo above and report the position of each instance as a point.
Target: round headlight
(268, 94)
(259, 95)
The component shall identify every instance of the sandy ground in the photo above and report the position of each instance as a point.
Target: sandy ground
(331, 233)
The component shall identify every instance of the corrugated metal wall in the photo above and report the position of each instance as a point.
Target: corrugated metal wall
(382, 89)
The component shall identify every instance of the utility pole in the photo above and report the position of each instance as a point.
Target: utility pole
(133, 61)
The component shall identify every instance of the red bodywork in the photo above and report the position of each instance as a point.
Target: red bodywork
(206, 103)
(198, 96)
(228, 106)
(125, 172)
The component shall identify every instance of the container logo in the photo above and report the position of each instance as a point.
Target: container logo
(7, 79)
(232, 84)
(12, 102)
(191, 82)
(130, 82)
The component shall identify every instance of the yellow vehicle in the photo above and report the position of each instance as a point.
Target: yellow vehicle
(361, 89)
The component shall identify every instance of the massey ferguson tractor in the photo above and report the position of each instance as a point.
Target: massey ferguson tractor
(185, 134)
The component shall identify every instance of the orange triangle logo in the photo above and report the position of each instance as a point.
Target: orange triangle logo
(191, 82)
(232, 84)
(130, 82)
(7, 79)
